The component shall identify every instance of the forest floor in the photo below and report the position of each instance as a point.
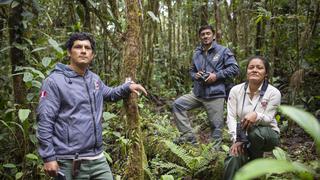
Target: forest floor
(299, 145)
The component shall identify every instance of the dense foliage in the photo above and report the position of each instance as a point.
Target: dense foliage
(32, 39)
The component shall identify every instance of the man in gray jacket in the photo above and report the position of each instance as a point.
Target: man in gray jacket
(70, 114)
(212, 65)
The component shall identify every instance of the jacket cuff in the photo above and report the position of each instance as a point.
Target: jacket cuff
(51, 158)
(126, 87)
(220, 75)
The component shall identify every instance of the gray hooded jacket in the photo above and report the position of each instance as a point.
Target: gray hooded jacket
(69, 113)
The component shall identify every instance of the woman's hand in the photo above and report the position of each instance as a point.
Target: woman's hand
(237, 149)
(249, 120)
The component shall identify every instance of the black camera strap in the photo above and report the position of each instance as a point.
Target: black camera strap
(217, 55)
(262, 92)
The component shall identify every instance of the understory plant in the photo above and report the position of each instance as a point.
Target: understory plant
(282, 164)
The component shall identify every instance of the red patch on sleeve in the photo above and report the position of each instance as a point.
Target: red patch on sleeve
(43, 94)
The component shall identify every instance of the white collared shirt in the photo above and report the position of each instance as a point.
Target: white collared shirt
(266, 107)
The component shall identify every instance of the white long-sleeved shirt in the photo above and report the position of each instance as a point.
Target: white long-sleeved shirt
(266, 107)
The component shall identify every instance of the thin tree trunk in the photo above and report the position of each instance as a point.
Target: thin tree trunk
(131, 57)
(218, 21)
(273, 41)
(258, 43)
(310, 27)
(233, 24)
(204, 13)
(179, 28)
(297, 36)
(169, 64)
(87, 17)
(151, 38)
(16, 55)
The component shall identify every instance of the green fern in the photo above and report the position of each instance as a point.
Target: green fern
(171, 166)
(163, 130)
(180, 152)
(194, 163)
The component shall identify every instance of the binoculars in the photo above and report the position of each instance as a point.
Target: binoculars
(241, 134)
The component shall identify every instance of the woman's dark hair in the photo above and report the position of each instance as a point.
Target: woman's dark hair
(205, 27)
(265, 63)
(80, 36)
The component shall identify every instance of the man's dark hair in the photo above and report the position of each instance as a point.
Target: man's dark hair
(205, 27)
(265, 63)
(80, 36)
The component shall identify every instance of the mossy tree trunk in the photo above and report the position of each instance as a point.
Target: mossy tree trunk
(131, 57)
(16, 55)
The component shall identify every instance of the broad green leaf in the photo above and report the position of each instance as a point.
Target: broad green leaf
(38, 49)
(92, 3)
(33, 138)
(9, 110)
(225, 148)
(5, 48)
(107, 116)
(167, 177)
(154, 17)
(259, 19)
(280, 154)
(110, 12)
(140, 105)
(14, 4)
(36, 84)
(39, 73)
(55, 45)
(19, 175)
(27, 77)
(117, 134)
(260, 167)
(23, 114)
(9, 165)
(304, 119)
(19, 46)
(28, 40)
(30, 96)
(108, 157)
(46, 61)
(25, 24)
(32, 156)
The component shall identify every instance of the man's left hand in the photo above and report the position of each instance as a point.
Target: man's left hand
(212, 78)
(137, 88)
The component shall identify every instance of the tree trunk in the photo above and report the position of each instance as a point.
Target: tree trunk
(169, 62)
(16, 55)
(232, 21)
(87, 17)
(204, 13)
(218, 21)
(151, 38)
(258, 43)
(131, 58)
(273, 42)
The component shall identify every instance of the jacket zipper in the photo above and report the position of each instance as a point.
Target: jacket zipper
(94, 101)
(92, 113)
